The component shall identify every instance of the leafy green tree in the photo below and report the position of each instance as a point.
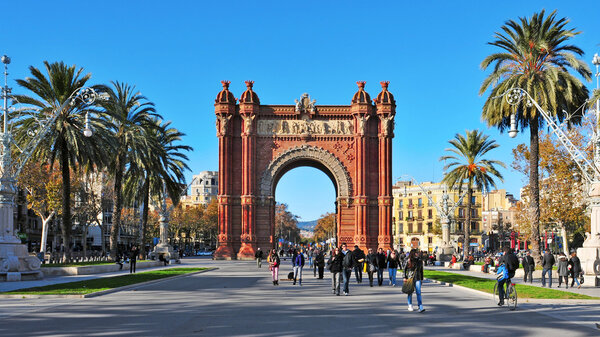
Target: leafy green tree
(132, 115)
(52, 94)
(325, 227)
(468, 167)
(535, 56)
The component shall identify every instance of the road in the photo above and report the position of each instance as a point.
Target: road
(239, 300)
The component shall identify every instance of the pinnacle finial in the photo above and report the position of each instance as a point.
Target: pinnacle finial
(249, 84)
(225, 84)
(361, 84)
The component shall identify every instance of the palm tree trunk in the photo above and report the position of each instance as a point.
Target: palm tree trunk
(467, 226)
(66, 198)
(534, 187)
(146, 193)
(117, 206)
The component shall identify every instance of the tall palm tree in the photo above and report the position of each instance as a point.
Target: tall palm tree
(144, 178)
(132, 116)
(65, 139)
(469, 167)
(535, 56)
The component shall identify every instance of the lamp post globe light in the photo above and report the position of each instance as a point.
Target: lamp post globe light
(15, 262)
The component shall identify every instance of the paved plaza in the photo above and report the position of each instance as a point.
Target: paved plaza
(238, 299)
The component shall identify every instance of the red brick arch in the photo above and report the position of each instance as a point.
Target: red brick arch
(259, 143)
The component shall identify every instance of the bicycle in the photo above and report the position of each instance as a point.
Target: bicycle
(510, 295)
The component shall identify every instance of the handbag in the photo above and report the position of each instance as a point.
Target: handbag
(408, 287)
(581, 278)
(372, 268)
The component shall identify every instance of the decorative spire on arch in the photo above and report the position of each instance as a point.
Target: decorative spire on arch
(361, 96)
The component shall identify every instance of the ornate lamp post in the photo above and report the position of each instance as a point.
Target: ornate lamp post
(15, 262)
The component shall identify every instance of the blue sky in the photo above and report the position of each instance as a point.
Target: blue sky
(177, 52)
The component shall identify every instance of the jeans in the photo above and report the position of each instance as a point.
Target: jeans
(310, 262)
(258, 262)
(358, 272)
(336, 279)
(418, 291)
(392, 274)
(298, 274)
(501, 292)
(380, 276)
(275, 273)
(549, 272)
(346, 274)
(574, 280)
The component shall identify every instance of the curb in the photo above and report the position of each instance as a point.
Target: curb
(109, 291)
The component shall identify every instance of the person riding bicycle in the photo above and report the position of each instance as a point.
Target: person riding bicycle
(512, 264)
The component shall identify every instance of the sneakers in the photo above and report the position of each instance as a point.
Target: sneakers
(501, 303)
(410, 308)
(422, 310)
(345, 293)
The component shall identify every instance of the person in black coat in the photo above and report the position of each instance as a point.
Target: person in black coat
(133, 253)
(320, 263)
(359, 260)
(575, 269)
(335, 263)
(381, 265)
(547, 264)
(414, 269)
(372, 265)
(528, 268)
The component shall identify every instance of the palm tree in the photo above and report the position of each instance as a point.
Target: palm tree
(131, 114)
(536, 57)
(144, 178)
(469, 167)
(64, 140)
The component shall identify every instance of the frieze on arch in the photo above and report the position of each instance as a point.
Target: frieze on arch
(259, 143)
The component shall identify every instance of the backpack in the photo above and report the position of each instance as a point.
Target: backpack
(348, 260)
(502, 273)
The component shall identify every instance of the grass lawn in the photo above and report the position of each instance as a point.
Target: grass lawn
(487, 285)
(100, 284)
(79, 264)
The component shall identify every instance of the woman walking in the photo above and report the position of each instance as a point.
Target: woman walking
(335, 261)
(371, 260)
(393, 262)
(414, 269)
(274, 261)
(575, 269)
(563, 270)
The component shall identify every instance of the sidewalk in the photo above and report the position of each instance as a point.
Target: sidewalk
(10, 286)
(590, 291)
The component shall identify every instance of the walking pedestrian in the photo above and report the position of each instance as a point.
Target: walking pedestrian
(528, 268)
(359, 259)
(133, 253)
(274, 261)
(371, 260)
(347, 265)
(563, 270)
(259, 256)
(335, 263)
(381, 265)
(320, 262)
(414, 269)
(547, 264)
(298, 263)
(575, 269)
(392, 263)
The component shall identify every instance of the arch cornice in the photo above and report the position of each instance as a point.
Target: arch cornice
(302, 153)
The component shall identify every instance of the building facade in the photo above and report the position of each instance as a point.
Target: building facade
(415, 216)
(204, 188)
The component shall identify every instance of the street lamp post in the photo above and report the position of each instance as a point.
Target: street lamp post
(15, 262)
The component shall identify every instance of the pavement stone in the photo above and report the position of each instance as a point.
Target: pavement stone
(239, 299)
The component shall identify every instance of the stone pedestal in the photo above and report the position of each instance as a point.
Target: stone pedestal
(247, 251)
(589, 254)
(17, 265)
(167, 252)
(446, 250)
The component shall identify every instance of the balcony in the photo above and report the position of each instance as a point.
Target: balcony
(410, 218)
(411, 206)
(420, 218)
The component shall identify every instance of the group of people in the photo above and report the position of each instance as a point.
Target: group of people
(342, 262)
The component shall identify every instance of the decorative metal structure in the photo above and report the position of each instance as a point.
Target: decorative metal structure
(15, 262)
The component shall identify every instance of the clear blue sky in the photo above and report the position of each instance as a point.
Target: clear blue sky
(177, 53)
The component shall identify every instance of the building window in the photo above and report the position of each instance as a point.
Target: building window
(400, 227)
(474, 227)
(473, 198)
(430, 214)
(430, 240)
(401, 215)
(474, 213)
(429, 227)
(410, 204)
(401, 204)
(410, 214)
(461, 213)
(420, 202)
(420, 227)
(410, 227)
(429, 203)
(212, 181)
(420, 214)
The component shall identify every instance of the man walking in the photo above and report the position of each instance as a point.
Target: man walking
(133, 258)
(547, 264)
(298, 263)
(381, 265)
(259, 256)
(320, 262)
(359, 259)
(347, 265)
(528, 268)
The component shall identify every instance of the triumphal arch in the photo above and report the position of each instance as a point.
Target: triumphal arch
(258, 144)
